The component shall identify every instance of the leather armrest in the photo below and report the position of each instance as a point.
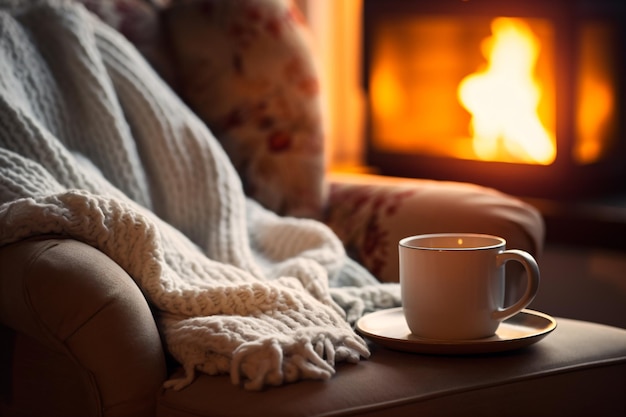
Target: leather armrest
(76, 314)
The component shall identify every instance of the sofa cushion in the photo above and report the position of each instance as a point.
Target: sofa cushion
(579, 369)
(246, 68)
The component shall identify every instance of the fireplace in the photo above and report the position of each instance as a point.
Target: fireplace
(524, 96)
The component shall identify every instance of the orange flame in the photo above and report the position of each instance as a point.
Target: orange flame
(503, 99)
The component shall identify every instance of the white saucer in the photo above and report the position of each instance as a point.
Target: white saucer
(388, 328)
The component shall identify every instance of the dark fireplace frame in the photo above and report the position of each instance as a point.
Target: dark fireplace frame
(563, 179)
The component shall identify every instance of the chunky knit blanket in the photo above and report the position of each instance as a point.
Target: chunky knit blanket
(94, 146)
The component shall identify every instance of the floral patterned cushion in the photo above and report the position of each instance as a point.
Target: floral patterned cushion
(363, 215)
(246, 68)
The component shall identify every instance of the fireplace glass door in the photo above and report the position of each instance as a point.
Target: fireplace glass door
(530, 87)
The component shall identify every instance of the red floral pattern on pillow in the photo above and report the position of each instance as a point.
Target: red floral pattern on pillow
(246, 68)
(360, 215)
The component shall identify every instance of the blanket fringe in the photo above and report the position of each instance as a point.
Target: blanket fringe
(259, 364)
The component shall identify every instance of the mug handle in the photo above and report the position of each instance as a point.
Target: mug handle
(532, 275)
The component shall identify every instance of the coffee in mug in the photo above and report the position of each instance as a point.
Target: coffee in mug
(452, 284)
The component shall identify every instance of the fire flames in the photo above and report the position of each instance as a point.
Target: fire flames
(503, 98)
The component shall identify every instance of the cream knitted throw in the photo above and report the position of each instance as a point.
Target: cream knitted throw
(94, 146)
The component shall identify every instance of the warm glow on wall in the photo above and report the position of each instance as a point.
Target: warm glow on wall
(336, 27)
(504, 97)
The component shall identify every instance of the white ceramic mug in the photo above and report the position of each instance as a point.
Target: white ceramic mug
(452, 284)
